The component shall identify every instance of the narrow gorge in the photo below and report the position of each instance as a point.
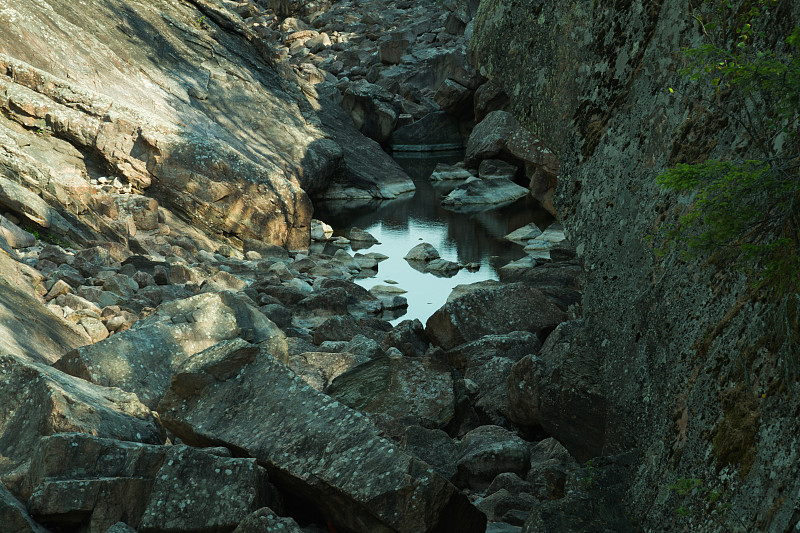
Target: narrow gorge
(377, 266)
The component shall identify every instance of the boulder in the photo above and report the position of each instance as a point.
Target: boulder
(423, 252)
(489, 137)
(315, 447)
(488, 451)
(493, 310)
(15, 236)
(14, 516)
(417, 389)
(409, 337)
(371, 108)
(489, 97)
(82, 479)
(142, 359)
(38, 401)
(478, 192)
(265, 520)
(445, 172)
(432, 446)
(434, 131)
(558, 391)
(319, 369)
(27, 327)
(343, 328)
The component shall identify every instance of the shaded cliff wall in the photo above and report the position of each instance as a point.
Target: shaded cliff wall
(679, 352)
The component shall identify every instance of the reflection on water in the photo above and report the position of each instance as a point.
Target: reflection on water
(462, 237)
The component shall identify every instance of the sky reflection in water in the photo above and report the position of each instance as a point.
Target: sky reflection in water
(460, 237)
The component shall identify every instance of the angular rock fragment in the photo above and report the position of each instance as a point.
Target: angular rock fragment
(142, 359)
(418, 389)
(493, 310)
(318, 449)
(38, 401)
(80, 479)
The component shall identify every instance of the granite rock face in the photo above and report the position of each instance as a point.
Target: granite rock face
(196, 115)
(677, 348)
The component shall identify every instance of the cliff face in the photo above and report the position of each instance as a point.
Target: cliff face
(672, 359)
(183, 101)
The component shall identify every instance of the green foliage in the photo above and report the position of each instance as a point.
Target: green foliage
(745, 208)
(698, 498)
(591, 474)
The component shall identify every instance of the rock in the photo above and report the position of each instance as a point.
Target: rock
(360, 236)
(59, 287)
(143, 359)
(453, 97)
(15, 236)
(14, 516)
(392, 48)
(325, 452)
(478, 192)
(488, 451)
(347, 327)
(500, 506)
(361, 345)
(423, 252)
(525, 234)
(28, 329)
(371, 108)
(442, 267)
(409, 337)
(265, 520)
(490, 136)
(82, 478)
(223, 281)
(432, 446)
(513, 346)
(496, 168)
(320, 231)
(266, 249)
(489, 97)
(319, 369)
(445, 172)
(494, 310)
(417, 389)
(558, 391)
(436, 131)
(40, 401)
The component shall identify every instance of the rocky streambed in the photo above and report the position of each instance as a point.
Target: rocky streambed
(175, 355)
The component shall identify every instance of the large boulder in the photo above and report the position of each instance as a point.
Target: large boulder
(493, 310)
(482, 193)
(558, 391)
(415, 389)
(489, 137)
(372, 109)
(142, 359)
(38, 401)
(315, 447)
(27, 328)
(96, 482)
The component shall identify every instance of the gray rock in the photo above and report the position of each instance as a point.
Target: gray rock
(14, 516)
(152, 488)
(488, 451)
(497, 310)
(319, 369)
(143, 358)
(490, 136)
(265, 520)
(322, 450)
(417, 389)
(422, 252)
(40, 401)
(479, 192)
(15, 236)
(445, 172)
(432, 446)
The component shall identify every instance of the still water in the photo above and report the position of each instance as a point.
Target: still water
(460, 237)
